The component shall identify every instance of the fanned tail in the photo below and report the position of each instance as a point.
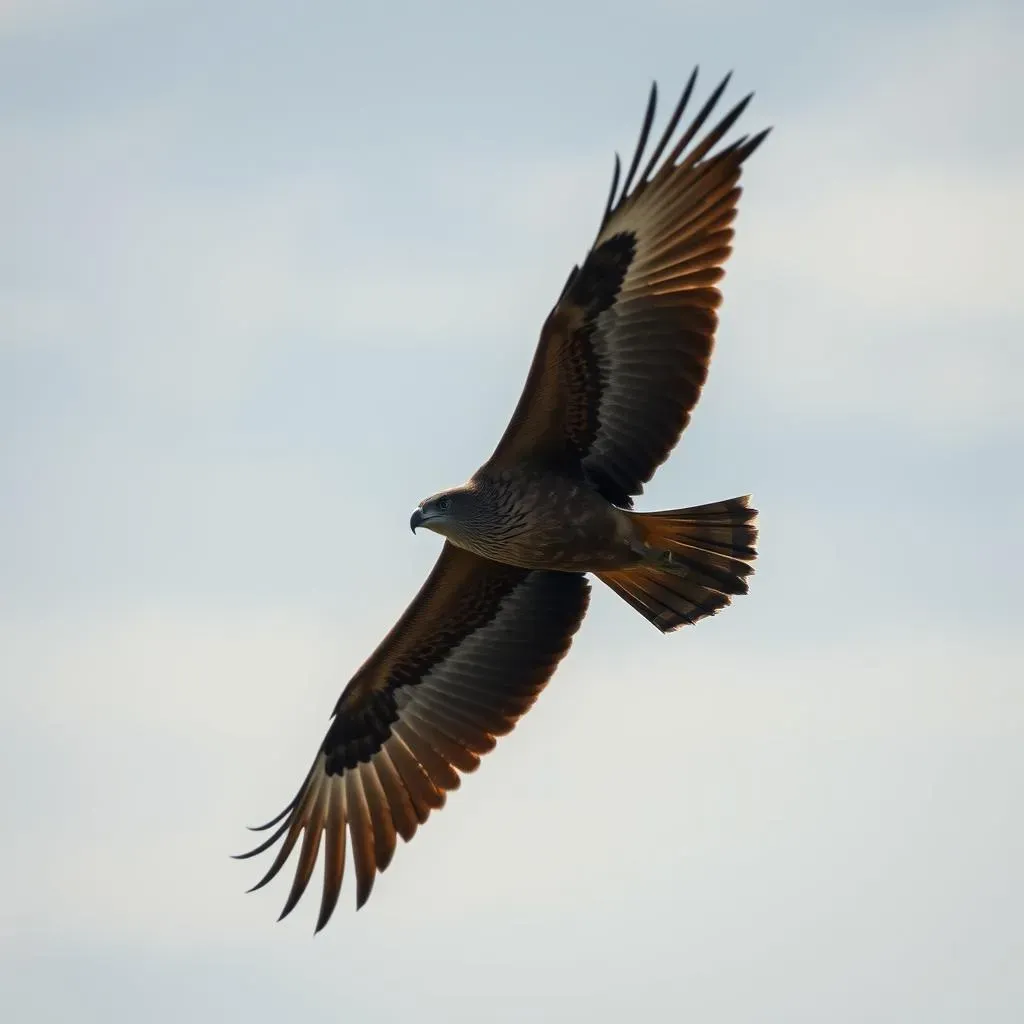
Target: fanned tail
(700, 557)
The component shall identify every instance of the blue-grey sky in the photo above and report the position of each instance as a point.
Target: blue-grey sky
(269, 274)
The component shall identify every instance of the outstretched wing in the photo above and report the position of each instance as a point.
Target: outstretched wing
(624, 354)
(464, 662)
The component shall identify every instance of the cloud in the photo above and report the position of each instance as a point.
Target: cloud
(899, 242)
(809, 792)
(153, 287)
(873, 273)
(20, 17)
(862, 260)
(164, 731)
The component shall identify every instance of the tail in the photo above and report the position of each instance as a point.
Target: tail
(700, 557)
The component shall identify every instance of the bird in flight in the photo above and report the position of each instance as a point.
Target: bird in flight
(620, 364)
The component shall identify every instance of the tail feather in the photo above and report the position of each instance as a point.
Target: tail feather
(700, 558)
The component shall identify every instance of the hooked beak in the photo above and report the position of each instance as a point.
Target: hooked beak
(418, 518)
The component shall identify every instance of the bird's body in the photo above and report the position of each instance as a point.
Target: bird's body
(620, 364)
(543, 520)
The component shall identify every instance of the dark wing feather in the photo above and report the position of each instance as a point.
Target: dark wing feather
(461, 666)
(624, 354)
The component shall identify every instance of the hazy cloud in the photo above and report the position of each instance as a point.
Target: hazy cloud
(269, 277)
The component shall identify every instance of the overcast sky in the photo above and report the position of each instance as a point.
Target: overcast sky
(271, 273)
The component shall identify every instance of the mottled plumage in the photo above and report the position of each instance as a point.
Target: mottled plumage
(620, 365)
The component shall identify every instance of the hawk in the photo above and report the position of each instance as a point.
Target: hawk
(620, 364)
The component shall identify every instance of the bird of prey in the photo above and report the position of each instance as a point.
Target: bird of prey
(620, 364)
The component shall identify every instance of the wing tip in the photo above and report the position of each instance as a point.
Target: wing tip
(619, 195)
(273, 821)
(289, 906)
(363, 892)
(755, 140)
(268, 877)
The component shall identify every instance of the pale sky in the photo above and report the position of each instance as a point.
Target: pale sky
(270, 274)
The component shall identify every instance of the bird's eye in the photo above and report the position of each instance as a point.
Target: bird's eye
(443, 504)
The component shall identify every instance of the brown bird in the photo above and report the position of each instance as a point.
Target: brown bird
(620, 364)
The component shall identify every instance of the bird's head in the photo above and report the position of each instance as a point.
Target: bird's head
(449, 513)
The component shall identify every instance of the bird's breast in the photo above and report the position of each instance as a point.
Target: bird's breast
(554, 523)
